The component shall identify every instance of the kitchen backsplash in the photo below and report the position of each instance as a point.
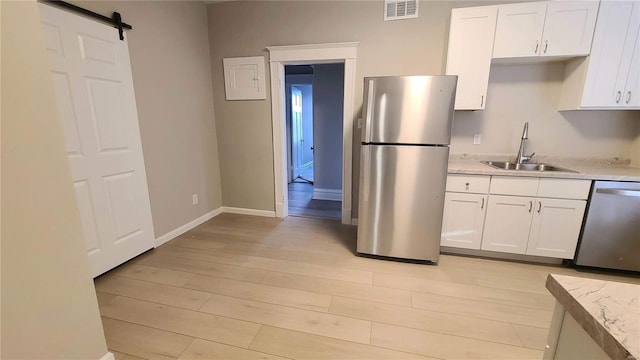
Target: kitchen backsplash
(554, 159)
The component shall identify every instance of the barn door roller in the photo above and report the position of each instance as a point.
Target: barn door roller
(115, 20)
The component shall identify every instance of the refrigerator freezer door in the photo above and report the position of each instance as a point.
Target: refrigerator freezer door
(402, 200)
(408, 109)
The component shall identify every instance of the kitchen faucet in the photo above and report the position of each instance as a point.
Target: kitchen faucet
(521, 157)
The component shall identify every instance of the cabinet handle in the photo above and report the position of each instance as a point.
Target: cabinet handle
(369, 111)
(539, 206)
(537, 46)
(481, 100)
(530, 205)
(621, 192)
(482, 206)
(546, 45)
(628, 96)
(618, 95)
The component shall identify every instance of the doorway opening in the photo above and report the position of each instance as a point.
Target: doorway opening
(314, 96)
(329, 53)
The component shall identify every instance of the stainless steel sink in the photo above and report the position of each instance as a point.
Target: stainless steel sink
(506, 165)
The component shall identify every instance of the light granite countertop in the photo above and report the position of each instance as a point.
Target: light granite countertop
(608, 311)
(584, 170)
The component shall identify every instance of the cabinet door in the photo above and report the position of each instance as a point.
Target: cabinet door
(519, 30)
(632, 88)
(469, 54)
(568, 28)
(555, 227)
(463, 220)
(613, 45)
(244, 78)
(506, 228)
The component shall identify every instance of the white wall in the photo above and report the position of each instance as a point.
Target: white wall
(169, 50)
(530, 93)
(404, 47)
(635, 151)
(49, 307)
(328, 100)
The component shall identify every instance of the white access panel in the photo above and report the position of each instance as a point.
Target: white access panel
(92, 80)
(244, 78)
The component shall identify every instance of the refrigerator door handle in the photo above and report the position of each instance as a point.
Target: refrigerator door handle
(369, 110)
(366, 158)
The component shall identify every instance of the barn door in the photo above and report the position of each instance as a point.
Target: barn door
(94, 92)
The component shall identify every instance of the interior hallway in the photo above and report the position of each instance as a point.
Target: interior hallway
(248, 287)
(301, 202)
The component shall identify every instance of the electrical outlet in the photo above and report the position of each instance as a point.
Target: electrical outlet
(477, 139)
(359, 123)
(195, 199)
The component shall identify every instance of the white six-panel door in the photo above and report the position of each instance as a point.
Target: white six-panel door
(94, 92)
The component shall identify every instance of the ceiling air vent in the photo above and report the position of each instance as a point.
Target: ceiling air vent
(400, 9)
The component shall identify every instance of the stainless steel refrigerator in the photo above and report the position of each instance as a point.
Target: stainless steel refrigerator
(403, 165)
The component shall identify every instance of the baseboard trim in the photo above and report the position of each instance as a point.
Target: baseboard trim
(327, 194)
(280, 210)
(354, 221)
(108, 356)
(243, 211)
(499, 255)
(346, 216)
(188, 226)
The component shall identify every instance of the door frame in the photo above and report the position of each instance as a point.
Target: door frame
(279, 56)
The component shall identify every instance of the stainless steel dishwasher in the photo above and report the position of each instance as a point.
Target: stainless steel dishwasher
(611, 233)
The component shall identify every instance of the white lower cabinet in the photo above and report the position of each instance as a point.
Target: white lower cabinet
(465, 204)
(555, 227)
(463, 220)
(535, 216)
(507, 225)
(528, 216)
(533, 226)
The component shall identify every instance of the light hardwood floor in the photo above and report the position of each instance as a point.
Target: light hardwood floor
(243, 287)
(301, 203)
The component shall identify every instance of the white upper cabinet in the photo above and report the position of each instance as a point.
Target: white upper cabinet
(548, 29)
(568, 28)
(609, 77)
(469, 54)
(632, 85)
(519, 30)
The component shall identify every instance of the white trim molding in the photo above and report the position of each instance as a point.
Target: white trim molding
(279, 56)
(327, 194)
(208, 216)
(244, 211)
(313, 53)
(108, 356)
(188, 226)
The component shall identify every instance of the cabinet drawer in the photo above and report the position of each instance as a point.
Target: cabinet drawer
(564, 188)
(468, 184)
(504, 185)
